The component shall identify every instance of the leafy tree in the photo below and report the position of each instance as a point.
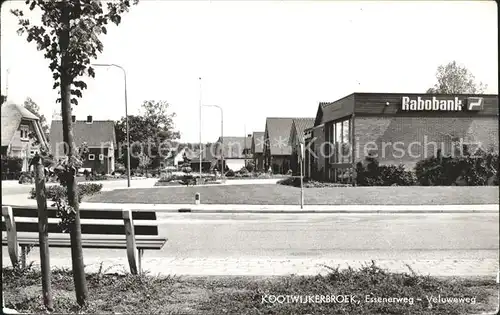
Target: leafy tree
(33, 107)
(456, 79)
(250, 166)
(153, 129)
(144, 161)
(69, 37)
(3, 98)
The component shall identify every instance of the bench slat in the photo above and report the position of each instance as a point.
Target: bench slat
(87, 221)
(86, 214)
(63, 240)
(88, 228)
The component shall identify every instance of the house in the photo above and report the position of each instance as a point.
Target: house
(208, 159)
(398, 128)
(99, 136)
(22, 134)
(175, 158)
(257, 150)
(277, 146)
(237, 151)
(299, 125)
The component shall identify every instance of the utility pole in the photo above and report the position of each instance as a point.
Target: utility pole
(200, 130)
(126, 112)
(245, 146)
(7, 85)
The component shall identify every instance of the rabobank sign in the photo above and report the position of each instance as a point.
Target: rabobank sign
(432, 104)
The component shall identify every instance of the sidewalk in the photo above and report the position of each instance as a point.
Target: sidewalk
(265, 266)
(22, 200)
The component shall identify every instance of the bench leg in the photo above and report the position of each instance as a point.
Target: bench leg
(25, 250)
(140, 253)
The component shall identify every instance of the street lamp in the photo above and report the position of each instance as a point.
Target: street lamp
(7, 85)
(221, 135)
(126, 113)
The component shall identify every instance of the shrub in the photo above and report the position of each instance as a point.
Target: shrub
(290, 181)
(372, 174)
(26, 178)
(89, 189)
(250, 166)
(243, 170)
(55, 192)
(471, 170)
(230, 173)
(309, 183)
(11, 164)
(98, 177)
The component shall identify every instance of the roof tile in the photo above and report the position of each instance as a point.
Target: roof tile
(95, 134)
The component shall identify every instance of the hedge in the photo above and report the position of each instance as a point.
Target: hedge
(372, 174)
(56, 191)
(470, 170)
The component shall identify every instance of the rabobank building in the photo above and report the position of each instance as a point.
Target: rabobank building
(397, 128)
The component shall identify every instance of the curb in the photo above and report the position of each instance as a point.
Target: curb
(189, 210)
(281, 209)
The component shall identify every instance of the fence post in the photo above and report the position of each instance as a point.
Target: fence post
(10, 224)
(130, 238)
(43, 230)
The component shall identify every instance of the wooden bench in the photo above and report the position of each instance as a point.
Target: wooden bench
(135, 231)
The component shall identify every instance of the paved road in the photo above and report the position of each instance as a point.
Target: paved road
(266, 244)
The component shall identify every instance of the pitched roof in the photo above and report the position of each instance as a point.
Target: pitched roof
(234, 147)
(12, 114)
(300, 125)
(97, 133)
(278, 130)
(258, 142)
(208, 153)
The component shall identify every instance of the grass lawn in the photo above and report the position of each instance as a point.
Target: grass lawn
(145, 294)
(286, 195)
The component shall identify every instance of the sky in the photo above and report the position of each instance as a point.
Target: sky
(260, 59)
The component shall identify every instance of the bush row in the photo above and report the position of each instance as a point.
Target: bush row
(372, 174)
(479, 169)
(56, 191)
(309, 183)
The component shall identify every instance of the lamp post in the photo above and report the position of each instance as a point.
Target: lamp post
(126, 113)
(221, 136)
(200, 129)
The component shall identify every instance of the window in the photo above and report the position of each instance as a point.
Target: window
(339, 135)
(24, 132)
(101, 157)
(91, 157)
(345, 141)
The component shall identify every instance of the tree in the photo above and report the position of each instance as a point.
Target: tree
(69, 37)
(3, 98)
(455, 79)
(153, 129)
(144, 162)
(30, 105)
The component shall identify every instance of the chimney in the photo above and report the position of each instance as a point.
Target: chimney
(89, 119)
(73, 118)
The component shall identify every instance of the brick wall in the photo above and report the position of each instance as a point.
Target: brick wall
(421, 131)
(97, 165)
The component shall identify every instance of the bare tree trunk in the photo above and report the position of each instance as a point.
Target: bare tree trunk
(76, 232)
(43, 230)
